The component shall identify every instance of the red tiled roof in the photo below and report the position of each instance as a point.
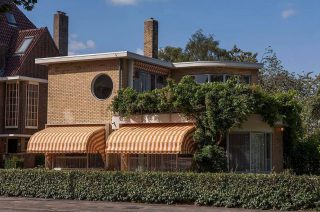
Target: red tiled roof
(14, 62)
(11, 37)
(8, 31)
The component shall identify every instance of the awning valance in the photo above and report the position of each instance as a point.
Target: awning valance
(152, 139)
(68, 139)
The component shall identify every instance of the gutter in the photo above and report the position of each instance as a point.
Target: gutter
(23, 78)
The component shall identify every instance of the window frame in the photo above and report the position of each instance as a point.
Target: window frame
(17, 107)
(250, 137)
(27, 106)
(19, 51)
(14, 24)
(93, 83)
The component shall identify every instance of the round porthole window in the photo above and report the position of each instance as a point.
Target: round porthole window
(102, 87)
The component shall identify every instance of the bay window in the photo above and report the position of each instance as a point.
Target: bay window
(32, 104)
(249, 151)
(12, 105)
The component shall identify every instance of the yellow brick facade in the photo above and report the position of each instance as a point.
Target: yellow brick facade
(70, 98)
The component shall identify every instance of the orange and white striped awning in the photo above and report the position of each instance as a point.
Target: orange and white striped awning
(152, 139)
(68, 139)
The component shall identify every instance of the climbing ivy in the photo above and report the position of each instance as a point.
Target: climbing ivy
(216, 108)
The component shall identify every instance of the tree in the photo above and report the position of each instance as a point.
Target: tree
(27, 5)
(172, 54)
(205, 48)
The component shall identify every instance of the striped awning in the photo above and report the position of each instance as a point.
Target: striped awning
(68, 139)
(152, 139)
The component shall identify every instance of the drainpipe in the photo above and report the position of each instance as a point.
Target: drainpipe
(120, 73)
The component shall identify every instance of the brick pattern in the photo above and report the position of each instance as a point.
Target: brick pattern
(151, 38)
(61, 24)
(70, 99)
(177, 74)
(277, 151)
(151, 68)
(2, 108)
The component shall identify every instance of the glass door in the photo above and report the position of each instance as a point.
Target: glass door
(260, 152)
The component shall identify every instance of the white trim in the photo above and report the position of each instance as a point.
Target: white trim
(15, 135)
(102, 56)
(22, 78)
(28, 103)
(229, 64)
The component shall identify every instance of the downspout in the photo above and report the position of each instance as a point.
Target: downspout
(120, 73)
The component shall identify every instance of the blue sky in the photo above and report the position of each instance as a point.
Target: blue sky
(291, 27)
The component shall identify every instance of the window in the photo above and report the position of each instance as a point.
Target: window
(10, 19)
(24, 46)
(12, 105)
(216, 78)
(32, 104)
(145, 81)
(249, 152)
(203, 78)
(102, 87)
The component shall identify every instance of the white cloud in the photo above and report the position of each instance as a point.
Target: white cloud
(76, 46)
(140, 51)
(288, 13)
(123, 2)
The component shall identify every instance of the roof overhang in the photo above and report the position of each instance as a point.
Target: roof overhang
(229, 64)
(102, 56)
(22, 78)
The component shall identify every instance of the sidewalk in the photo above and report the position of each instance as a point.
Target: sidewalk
(31, 204)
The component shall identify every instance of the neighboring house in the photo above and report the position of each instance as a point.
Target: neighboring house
(81, 132)
(23, 84)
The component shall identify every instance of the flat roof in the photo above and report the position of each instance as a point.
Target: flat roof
(131, 55)
(102, 56)
(229, 64)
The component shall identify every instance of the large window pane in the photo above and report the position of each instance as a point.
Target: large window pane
(12, 105)
(32, 105)
(239, 152)
(201, 78)
(250, 152)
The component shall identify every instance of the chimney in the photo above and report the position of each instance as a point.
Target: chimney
(60, 32)
(151, 38)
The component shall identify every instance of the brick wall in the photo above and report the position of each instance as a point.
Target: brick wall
(70, 100)
(2, 100)
(177, 74)
(45, 47)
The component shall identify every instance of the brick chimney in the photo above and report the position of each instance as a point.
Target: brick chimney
(151, 38)
(60, 32)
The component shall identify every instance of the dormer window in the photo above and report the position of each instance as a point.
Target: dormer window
(24, 46)
(11, 19)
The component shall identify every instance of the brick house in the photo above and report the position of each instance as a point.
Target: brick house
(82, 132)
(23, 84)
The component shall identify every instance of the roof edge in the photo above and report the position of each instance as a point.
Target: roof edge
(101, 56)
(230, 64)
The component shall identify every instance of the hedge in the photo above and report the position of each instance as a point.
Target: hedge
(256, 191)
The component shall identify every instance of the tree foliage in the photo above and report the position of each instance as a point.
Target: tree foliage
(26, 4)
(201, 47)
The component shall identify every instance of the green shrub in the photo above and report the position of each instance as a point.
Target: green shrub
(14, 163)
(259, 191)
(211, 158)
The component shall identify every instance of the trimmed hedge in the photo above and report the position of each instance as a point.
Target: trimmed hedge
(260, 191)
